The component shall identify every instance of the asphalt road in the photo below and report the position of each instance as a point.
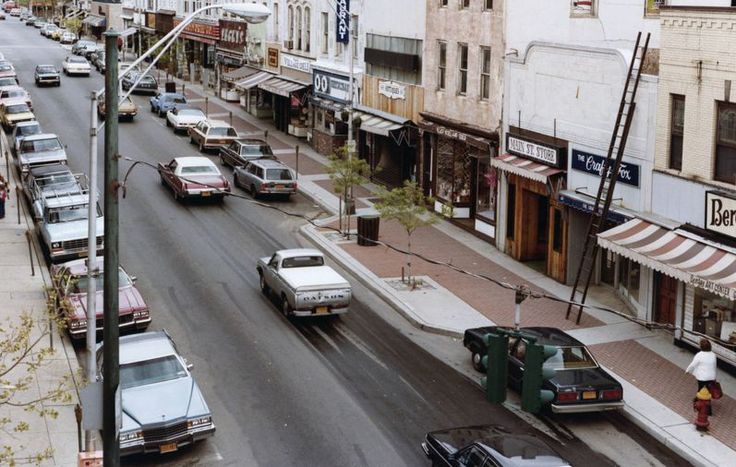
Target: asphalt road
(343, 391)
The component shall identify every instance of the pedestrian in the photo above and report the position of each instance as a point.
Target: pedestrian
(703, 366)
(3, 196)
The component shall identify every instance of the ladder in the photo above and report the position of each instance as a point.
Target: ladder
(607, 184)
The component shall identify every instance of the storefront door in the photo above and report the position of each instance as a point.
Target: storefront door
(666, 304)
(535, 212)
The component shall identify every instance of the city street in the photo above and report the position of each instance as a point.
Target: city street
(350, 390)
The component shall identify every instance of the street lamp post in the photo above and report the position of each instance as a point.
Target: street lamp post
(111, 406)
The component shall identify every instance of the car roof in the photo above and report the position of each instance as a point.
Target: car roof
(218, 123)
(294, 252)
(13, 87)
(40, 136)
(251, 141)
(14, 102)
(171, 94)
(269, 163)
(79, 266)
(45, 64)
(145, 346)
(190, 161)
(43, 170)
(543, 335)
(28, 123)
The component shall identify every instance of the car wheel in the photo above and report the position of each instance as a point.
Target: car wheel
(58, 83)
(285, 307)
(191, 140)
(168, 123)
(477, 360)
(236, 180)
(163, 182)
(161, 113)
(153, 109)
(253, 191)
(264, 286)
(222, 161)
(201, 147)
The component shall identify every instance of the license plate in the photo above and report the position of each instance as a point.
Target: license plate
(587, 395)
(280, 186)
(321, 310)
(164, 448)
(206, 193)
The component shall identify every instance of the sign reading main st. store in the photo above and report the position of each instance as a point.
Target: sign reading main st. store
(720, 213)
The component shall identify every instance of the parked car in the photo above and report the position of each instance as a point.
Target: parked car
(579, 384)
(7, 6)
(126, 67)
(240, 151)
(210, 134)
(57, 33)
(88, 51)
(45, 148)
(39, 23)
(48, 29)
(22, 130)
(47, 74)
(83, 44)
(51, 179)
(68, 38)
(9, 81)
(31, 20)
(7, 70)
(14, 112)
(265, 176)
(303, 283)
(97, 60)
(146, 85)
(2, 15)
(165, 101)
(73, 65)
(127, 110)
(15, 12)
(183, 118)
(9, 93)
(70, 282)
(488, 446)
(163, 409)
(193, 177)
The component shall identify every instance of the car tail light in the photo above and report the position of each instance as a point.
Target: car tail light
(613, 394)
(295, 185)
(568, 396)
(263, 186)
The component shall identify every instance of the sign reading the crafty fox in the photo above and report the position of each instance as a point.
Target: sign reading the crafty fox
(594, 164)
(342, 17)
(720, 213)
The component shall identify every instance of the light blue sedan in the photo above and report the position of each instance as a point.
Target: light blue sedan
(165, 101)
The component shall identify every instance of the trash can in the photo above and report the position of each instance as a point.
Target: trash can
(170, 86)
(368, 230)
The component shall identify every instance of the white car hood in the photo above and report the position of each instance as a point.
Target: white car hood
(73, 230)
(188, 120)
(313, 277)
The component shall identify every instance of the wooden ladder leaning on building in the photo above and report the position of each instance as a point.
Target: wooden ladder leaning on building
(604, 197)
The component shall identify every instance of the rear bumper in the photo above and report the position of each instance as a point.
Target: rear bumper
(592, 407)
(205, 194)
(139, 325)
(313, 312)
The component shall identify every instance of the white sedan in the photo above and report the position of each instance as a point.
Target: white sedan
(73, 65)
(181, 118)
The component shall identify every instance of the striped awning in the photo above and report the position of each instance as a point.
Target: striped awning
(281, 86)
(239, 74)
(95, 21)
(524, 167)
(676, 253)
(375, 124)
(253, 80)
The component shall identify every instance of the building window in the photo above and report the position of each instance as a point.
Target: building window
(485, 73)
(442, 65)
(725, 170)
(443, 3)
(455, 164)
(354, 34)
(677, 126)
(557, 231)
(325, 32)
(464, 4)
(298, 20)
(307, 28)
(290, 20)
(629, 276)
(485, 206)
(652, 6)
(714, 316)
(276, 21)
(462, 65)
(583, 8)
(487, 5)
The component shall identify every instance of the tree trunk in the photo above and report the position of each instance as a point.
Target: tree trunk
(408, 259)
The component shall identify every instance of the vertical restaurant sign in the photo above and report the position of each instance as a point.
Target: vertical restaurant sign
(594, 164)
(342, 19)
(720, 213)
(273, 57)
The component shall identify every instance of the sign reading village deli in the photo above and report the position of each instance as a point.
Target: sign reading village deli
(296, 63)
(232, 35)
(720, 213)
(533, 150)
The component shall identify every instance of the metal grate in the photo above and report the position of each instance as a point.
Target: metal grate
(153, 435)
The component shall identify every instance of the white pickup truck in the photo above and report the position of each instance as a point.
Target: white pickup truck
(303, 283)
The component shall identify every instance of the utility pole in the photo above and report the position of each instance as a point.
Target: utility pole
(111, 397)
(92, 268)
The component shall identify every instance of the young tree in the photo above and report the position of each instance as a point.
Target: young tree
(345, 173)
(74, 25)
(408, 206)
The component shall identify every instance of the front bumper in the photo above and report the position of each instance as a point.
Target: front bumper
(592, 407)
(49, 79)
(190, 437)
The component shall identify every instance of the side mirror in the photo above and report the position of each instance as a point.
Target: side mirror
(133, 279)
(190, 366)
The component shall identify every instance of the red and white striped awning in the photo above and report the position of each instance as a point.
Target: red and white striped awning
(524, 167)
(676, 253)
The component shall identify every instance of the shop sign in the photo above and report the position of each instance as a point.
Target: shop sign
(273, 57)
(720, 213)
(197, 29)
(713, 287)
(342, 20)
(450, 133)
(532, 150)
(593, 164)
(151, 20)
(232, 34)
(296, 63)
(392, 89)
(331, 86)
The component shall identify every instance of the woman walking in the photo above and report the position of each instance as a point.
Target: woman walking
(3, 196)
(703, 366)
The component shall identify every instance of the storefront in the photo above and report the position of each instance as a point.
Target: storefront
(252, 99)
(534, 222)
(230, 58)
(199, 40)
(330, 116)
(458, 157)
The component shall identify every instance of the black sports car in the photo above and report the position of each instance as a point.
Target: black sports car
(579, 384)
(488, 446)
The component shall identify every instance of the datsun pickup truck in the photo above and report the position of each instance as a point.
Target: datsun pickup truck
(303, 284)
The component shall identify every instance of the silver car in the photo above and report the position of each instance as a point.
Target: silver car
(163, 408)
(45, 148)
(265, 176)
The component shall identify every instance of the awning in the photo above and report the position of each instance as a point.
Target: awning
(253, 80)
(282, 87)
(586, 203)
(524, 167)
(460, 130)
(128, 32)
(73, 13)
(676, 253)
(95, 21)
(377, 122)
(239, 73)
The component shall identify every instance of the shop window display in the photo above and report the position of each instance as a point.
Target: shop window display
(487, 180)
(454, 172)
(715, 316)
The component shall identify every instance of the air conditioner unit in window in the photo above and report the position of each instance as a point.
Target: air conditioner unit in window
(289, 45)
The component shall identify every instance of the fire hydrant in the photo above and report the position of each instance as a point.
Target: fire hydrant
(702, 406)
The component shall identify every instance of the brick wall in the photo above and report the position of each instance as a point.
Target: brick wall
(325, 143)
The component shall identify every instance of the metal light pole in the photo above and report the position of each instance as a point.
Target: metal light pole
(92, 268)
(111, 397)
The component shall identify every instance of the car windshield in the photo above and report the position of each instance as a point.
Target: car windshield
(28, 130)
(278, 174)
(152, 371)
(14, 93)
(82, 282)
(17, 109)
(302, 262)
(191, 112)
(46, 69)
(55, 180)
(175, 99)
(147, 79)
(77, 60)
(40, 145)
(256, 150)
(571, 358)
(67, 214)
(5, 67)
(8, 82)
(85, 44)
(199, 169)
(222, 131)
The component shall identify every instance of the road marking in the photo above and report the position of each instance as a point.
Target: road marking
(414, 390)
(328, 339)
(357, 342)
